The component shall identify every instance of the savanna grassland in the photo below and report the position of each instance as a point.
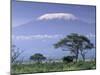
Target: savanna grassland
(77, 45)
(52, 67)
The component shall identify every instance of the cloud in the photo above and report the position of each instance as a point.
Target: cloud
(37, 37)
(51, 16)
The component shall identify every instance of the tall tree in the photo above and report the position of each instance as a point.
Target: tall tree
(76, 44)
(37, 57)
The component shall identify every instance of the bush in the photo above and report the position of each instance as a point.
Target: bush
(68, 59)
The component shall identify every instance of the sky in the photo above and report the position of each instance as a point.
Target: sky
(37, 26)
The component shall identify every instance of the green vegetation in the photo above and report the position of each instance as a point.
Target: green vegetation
(52, 67)
(75, 43)
(37, 57)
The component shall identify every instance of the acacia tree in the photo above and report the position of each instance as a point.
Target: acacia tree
(76, 44)
(85, 45)
(69, 43)
(37, 57)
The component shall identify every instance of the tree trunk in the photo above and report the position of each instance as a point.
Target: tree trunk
(77, 55)
(83, 56)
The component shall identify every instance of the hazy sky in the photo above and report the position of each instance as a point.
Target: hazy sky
(37, 26)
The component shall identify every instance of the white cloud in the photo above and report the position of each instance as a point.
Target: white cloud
(51, 16)
(37, 37)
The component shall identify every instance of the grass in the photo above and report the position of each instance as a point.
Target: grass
(52, 67)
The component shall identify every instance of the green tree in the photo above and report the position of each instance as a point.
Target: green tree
(85, 45)
(37, 57)
(76, 44)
